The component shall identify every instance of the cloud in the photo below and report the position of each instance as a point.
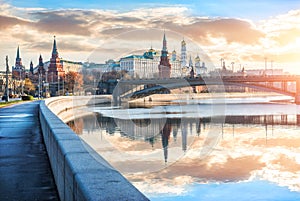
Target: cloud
(83, 29)
(61, 23)
(288, 36)
(233, 30)
(8, 22)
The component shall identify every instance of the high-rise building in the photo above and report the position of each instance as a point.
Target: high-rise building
(164, 67)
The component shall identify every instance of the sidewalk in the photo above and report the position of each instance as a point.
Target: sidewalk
(25, 172)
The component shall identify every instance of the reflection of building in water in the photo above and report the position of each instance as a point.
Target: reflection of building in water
(263, 119)
(175, 128)
(159, 131)
(140, 128)
(165, 137)
(199, 127)
(184, 136)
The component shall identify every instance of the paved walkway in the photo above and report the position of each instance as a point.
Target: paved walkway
(25, 172)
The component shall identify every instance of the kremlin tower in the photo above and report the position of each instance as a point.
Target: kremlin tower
(31, 68)
(164, 67)
(18, 59)
(55, 68)
(18, 71)
(41, 69)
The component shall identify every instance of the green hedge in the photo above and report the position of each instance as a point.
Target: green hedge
(25, 98)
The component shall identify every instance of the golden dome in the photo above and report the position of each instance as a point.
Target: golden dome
(183, 42)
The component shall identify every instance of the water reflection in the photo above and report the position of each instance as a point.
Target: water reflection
(150, 130)
(161, 156)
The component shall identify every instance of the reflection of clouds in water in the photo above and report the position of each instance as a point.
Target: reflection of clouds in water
(245, 153)
(155, 186)
(241, 158)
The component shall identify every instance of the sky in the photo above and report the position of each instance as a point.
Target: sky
(243, 32)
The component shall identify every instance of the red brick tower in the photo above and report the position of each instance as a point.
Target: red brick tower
(18, 71)
(164, 67)
(55, 68)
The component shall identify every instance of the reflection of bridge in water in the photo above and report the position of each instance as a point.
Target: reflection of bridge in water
(276, 83)
(160, 130)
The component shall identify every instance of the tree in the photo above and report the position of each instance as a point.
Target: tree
(73, 81)
(29, 87)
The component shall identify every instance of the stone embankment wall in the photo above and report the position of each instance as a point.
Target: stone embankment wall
(80, 173)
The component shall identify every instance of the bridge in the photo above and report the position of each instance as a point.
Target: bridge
(127, 88)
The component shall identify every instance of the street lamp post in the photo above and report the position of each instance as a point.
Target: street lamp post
(272, 66)
(47, 84)
(265, 65)
(63, 83)
(7, 90)
(58, 84)
(21, 81)
(39, 86)
(221, 62)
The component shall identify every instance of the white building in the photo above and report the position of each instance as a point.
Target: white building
(141, 66)
(146, 65)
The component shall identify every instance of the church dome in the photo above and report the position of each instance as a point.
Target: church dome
(183, 42)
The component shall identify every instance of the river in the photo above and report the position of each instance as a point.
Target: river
(240, 149)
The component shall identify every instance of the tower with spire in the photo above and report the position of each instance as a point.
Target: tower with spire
(18, 71)
(164, 67)
(41, 69)
(18, 58)
(197, 64)
(165, 137)
(183, 54)
(55, 68)
(31, 68)
(192, 72)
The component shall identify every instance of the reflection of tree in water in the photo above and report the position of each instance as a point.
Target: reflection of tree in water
(77, 125)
